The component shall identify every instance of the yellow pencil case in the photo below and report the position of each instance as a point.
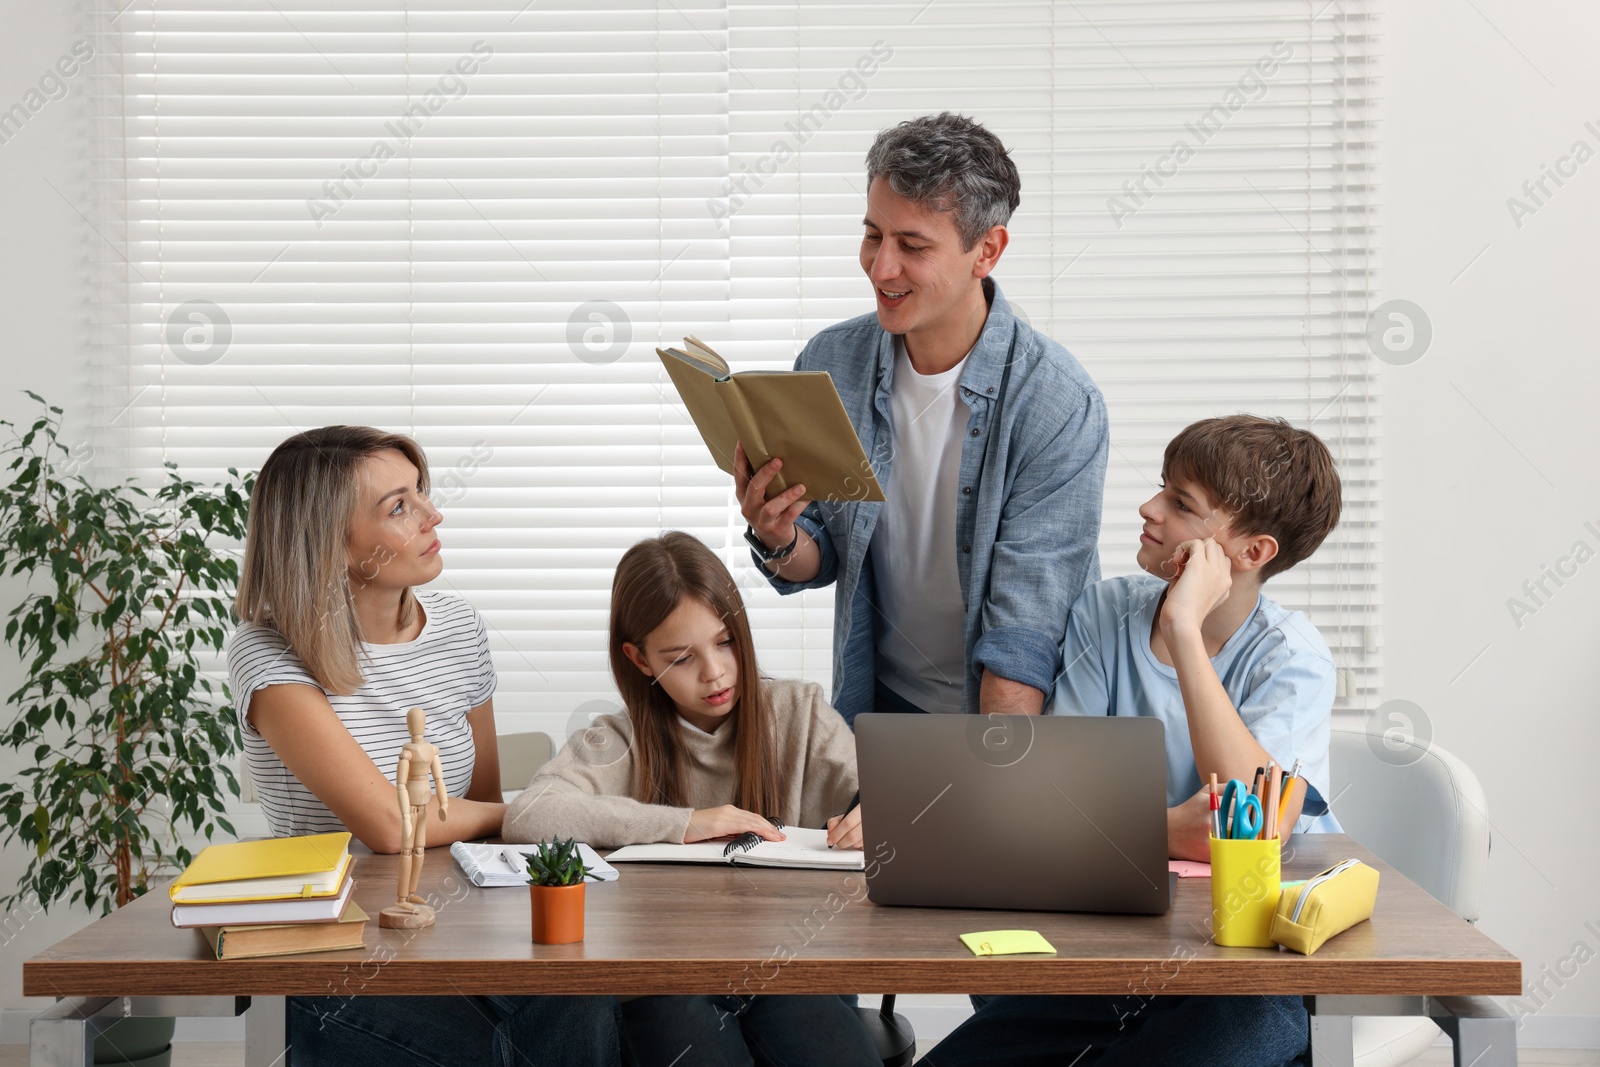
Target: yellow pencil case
(1326, 905)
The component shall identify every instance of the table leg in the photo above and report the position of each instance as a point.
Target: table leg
(1332, 1040)
(1333, 1023)
(266, 1033)
(63, 1034)
(1485, 1034)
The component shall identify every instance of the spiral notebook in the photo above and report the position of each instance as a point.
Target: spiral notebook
(800, 848)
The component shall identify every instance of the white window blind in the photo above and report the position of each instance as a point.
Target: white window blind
(475, 225)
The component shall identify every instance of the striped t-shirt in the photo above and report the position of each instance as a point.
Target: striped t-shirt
(445, 670)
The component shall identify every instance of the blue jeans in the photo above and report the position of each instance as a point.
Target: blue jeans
(1128, 1031)
(446, 1031)
(732, 1031)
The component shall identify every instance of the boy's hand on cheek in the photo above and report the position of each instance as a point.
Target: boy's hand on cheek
(1203, 578)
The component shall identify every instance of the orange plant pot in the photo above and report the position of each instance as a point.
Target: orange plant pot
(557, 913)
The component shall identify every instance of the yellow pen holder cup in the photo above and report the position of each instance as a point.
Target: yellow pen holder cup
(1246, 882)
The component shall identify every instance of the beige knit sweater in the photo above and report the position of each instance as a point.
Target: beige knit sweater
(583, 791)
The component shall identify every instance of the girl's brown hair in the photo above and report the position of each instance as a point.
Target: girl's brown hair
(652, 579)
(296, 575)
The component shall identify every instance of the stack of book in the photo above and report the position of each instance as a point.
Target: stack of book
(271, 898)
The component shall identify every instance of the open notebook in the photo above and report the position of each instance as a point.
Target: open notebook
(800, 848)
(507, 865)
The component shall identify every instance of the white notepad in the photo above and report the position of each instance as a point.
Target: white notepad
(800, 848)
(501, 865)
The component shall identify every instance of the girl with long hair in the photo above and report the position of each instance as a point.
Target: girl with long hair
(336, 643)
(705, 749)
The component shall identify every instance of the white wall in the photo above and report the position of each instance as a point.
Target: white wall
(1490, 439)
(1491, 442)
(42, 257)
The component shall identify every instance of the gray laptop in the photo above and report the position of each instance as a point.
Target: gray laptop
(1042, 813)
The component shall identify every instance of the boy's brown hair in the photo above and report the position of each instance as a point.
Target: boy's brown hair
(1266, 476)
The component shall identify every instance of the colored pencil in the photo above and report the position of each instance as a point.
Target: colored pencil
(1270, 808)
(1216, 808)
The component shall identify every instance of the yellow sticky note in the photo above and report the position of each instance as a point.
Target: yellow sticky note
(1006, 942)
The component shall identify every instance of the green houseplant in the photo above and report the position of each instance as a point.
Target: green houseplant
(556, 875)
(124, 740)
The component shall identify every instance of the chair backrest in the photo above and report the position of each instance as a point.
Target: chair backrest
(1420, 809)
(520, 756)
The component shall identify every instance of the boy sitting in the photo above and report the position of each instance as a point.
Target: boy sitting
(1236, 679)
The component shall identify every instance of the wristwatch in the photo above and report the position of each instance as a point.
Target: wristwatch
(770, 555)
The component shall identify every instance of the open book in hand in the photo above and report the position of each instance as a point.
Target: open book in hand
(795, 415)
(799, 848)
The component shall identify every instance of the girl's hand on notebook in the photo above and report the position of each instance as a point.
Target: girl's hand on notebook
(709, 824)
(844, 831)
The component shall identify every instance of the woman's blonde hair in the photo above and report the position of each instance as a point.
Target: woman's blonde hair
(653, 577)
(296, 575)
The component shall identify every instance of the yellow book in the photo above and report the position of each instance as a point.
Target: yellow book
(282, 868)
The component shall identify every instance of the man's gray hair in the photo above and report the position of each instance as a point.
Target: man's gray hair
(949, 163)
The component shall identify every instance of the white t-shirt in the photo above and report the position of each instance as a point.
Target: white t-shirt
(445, 670)
(921, 651)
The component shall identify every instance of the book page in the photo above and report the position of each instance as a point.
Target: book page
(801, 847)
(699, 852)
(698, 350)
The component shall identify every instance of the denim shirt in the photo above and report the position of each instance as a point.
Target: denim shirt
(1033, 471)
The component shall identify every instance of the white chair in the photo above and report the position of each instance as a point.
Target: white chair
(1442, 844)
(247, 784)
(520, 756)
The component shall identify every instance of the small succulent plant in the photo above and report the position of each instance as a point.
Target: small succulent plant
(558, 862)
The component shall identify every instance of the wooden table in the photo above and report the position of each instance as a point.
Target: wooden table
(690, 929)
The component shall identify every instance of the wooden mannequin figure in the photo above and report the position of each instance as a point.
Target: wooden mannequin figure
(418, 761)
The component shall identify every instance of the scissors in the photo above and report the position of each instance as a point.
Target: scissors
(1242, 809)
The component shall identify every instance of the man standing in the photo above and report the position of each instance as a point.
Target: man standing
(988, 438)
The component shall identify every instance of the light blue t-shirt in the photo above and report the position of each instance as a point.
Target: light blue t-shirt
(1276, 669)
